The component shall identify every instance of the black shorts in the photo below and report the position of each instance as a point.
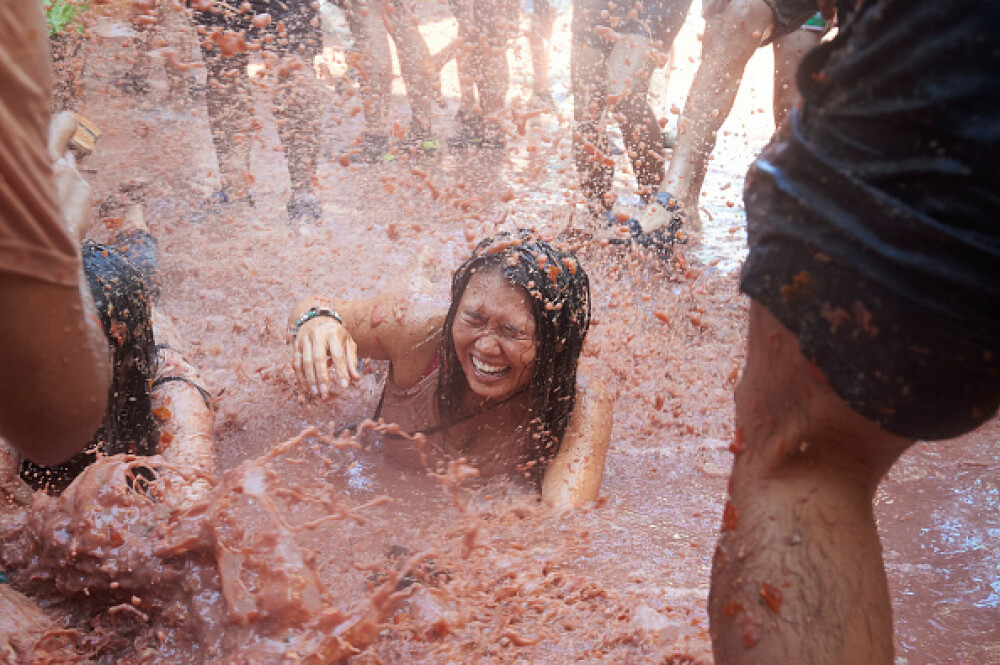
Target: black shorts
(874, 219)
(659, 20)
(790, 15)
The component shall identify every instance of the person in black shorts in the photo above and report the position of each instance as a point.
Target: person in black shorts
(612, 61)
(290, 37)
(874, 274)
(157, 403)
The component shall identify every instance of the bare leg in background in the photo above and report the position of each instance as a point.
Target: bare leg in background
(543, 17)
(373, 61)
(731, 38)
(469, 116)
(229, 102)
(297, 109)
(629, 71)
(414, 64)
(622, 74)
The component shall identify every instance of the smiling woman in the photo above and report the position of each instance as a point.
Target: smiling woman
(490, 377)
(494, 338)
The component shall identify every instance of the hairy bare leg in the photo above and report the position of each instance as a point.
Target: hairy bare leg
(229, 101)
(539, 37)
(590, 140)
(798, 574)
(414, 62)
(495, 80)
(492, 31)
(629, 70)
(294, 104)
(373, 60)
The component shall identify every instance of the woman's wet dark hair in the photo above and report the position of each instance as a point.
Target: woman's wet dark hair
(124, 309)
(559, 293)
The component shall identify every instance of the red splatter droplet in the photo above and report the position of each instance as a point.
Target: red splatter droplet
(750, 633)
(162, 412)
(771, 596)
(730, 517)
(737, 447)
(118, 330)
(732, 608)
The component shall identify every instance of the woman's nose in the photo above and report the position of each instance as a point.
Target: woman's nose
(488, 342)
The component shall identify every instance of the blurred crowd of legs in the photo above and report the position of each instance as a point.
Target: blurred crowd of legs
(616, 48)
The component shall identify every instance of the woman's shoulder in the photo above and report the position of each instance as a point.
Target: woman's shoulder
(423, 303)
(414, 316)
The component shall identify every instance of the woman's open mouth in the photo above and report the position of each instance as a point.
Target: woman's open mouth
(488, 370)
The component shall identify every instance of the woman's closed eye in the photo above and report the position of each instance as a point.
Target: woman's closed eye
(473, 318)
(513, 332)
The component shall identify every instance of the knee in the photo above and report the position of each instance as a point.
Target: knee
(634, 106)
(737, 32)
(789, 420)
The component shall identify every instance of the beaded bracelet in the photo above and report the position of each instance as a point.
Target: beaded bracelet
(313, 313)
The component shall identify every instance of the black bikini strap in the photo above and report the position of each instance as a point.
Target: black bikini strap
(205, 395)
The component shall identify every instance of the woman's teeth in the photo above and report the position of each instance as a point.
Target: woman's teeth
(486, 368)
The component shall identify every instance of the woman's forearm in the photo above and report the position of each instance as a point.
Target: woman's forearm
(574, 476)
(185, 414)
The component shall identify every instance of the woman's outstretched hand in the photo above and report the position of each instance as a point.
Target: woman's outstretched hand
(320, 343)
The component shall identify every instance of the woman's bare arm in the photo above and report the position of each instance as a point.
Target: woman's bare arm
(401, 326)
(574, 475)
(186, 415)
(186, 424)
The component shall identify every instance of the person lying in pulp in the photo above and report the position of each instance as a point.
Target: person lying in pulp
(490, 377)
(156, 402)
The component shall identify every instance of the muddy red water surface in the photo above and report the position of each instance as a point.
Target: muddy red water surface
(478, 576)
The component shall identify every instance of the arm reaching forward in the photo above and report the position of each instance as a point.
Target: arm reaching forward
(401, 326)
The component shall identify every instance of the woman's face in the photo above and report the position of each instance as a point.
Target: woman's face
(494, 336)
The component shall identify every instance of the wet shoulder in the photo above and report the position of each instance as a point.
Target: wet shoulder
(418, 313)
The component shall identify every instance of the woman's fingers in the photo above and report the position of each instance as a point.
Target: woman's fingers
(319, 350)
(317, 347)
(352, 360)
(297, 361)
(308, 370)
(339, 357)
